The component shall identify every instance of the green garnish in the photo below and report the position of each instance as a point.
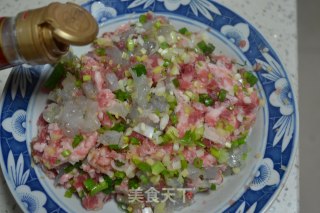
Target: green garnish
(130, 45)
(164, 45)
(139, 69)
(86, 77)
(250, 78)
(184, 164)
(222, 95)
(121, 95)
(71, 167)
(240, 141)
(198, 162)
(115, 147)
(157, 25)
(213, 187)
(69, 192)
(66, 153)
(157, 168)
(133, 183)
(167, 63)
(119, 174)
(134, 141)
(184, 31)
(89, 184)
(118, 163)
(143, 166)
(102, 130)
(206, 48)
(77, 140)
(119, 127)
(56, 76)
(220, 154)
(206, 99)
(143, 19)
(188, 138)
(101, 51)
(78, 83)
(176, 83)
(174, 119)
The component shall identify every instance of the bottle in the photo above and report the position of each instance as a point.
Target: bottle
(43, 35)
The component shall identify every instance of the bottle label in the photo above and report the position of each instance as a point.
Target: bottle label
(3, 61)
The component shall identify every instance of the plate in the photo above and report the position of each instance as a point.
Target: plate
(273, 140)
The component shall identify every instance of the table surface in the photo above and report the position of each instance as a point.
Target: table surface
(276, 20)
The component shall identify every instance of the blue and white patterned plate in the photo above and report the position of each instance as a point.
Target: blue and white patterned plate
(273, 140)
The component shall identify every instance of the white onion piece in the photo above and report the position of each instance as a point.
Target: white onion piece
(211, 134)
(164, 121)
(112, 81)
(145, 130)
(110, 137)
(118, 108)
(142, 90)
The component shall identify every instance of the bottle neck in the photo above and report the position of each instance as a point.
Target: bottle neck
(9, 53)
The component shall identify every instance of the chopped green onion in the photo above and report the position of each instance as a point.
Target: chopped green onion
(89, 184)
(99, 187)
(69, 192)
(206, 99)
(56, 76)
(240, 141)
(174, 119)
(118, 163)
(86, 77)
(101, 51)
(188, 138)
(77, 140)
(78, 83)
(176, 83)
(139, 69)
(144, 179)
(66, 153)
(213, 187)
(184, 31)
(206, 48)
(164, 45)
(157, 25)
(184, 164)
(121, 95)
(222, 95)
(221, 155)
(133, 183)
(250, 78)
(102, 130)
(157, 168)
(144, 167)
(111, 184)
(119, 127)
(134, 141)
(143, 19)
(198, 162)
(115, 147)
(167, 63)
(119, 174)
(130, 45)
(70, 168)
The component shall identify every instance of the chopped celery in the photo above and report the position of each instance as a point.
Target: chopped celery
(86, 77)
(143, 19)
(222, 95)
(69, 192)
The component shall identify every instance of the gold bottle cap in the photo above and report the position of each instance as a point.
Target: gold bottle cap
(71, 24)
(44, 34)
